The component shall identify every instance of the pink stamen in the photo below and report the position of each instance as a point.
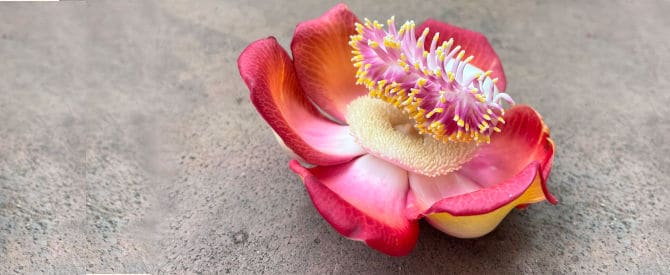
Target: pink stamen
(447, 96)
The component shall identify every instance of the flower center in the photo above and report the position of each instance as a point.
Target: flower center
(446, 96)
(388, 133)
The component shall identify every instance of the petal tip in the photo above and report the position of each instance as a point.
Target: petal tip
(322, 57)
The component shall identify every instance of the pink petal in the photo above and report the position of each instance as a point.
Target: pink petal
(363, 200)
(486, 200)
(475, 214)
(426, 191)
(323, 60)
(523, 144)
(472, 42)
(524, 139)
(268, 72)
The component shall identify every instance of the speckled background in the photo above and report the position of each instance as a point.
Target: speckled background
(128, 143)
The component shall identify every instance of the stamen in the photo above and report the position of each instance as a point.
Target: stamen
(448, 97)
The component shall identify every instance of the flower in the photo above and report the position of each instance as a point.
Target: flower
(389, 126)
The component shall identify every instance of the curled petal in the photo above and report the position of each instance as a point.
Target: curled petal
(475, 214)
(274, 90)
(524, 139)
(363, 200)
(488, 199)
(323, 60)
(472, 42)
(517, 161)
(426, 191)
(548, 154)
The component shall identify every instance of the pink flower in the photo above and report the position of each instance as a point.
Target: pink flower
(423, 134)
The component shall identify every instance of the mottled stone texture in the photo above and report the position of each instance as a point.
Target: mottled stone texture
(128, 143)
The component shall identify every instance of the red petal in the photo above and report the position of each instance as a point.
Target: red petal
(268, 72)
(492, 198)
(323, 60)
(524, 139)
(472, 42)
(426, 191)
(363, 200)
(478, 213)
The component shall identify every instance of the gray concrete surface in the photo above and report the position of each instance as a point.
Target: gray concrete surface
(128, 143)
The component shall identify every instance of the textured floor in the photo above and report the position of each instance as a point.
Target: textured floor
(128, 143)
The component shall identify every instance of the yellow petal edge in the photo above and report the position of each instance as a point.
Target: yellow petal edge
(479, 225)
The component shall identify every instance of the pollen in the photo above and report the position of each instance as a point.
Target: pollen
(449, 98)
(387, 132)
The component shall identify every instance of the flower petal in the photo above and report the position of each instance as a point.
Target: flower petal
(323, 60)
(523, 140)
(472, 42)
(363, 200)
(488, 199)
(475, 214)
(426, 191)
(268, 72)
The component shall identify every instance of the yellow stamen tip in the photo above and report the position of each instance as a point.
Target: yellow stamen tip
(421, 82)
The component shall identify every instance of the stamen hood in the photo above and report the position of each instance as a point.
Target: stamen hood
(447, 97)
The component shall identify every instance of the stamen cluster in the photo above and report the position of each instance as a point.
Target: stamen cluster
(446, 96)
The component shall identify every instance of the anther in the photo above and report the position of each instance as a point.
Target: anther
(434, 77)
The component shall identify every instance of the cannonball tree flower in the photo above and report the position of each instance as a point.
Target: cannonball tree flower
(390, 125)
